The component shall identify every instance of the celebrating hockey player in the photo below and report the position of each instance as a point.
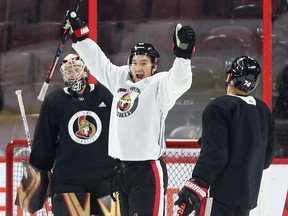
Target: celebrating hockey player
(71, 140)
(236, 146)
(141, 101)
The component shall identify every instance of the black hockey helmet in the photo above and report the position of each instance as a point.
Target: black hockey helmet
(144, 49)
(245, 73)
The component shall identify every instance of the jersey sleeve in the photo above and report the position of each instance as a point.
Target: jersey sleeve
(98, 64)
(176, 83)
(214, 144)
(45, 137)
(270, 143)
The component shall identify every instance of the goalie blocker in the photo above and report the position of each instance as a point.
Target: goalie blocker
(31, 193)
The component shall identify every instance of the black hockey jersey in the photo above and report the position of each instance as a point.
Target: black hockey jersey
(236, 146)
(71, 136)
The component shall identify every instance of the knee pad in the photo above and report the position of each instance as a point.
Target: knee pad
(71, 204)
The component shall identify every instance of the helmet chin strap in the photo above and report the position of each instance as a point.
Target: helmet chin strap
(131, 76)
(226, 86)
(152, 73)
(227, 82)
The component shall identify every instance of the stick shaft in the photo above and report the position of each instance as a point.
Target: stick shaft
(52, 67)
(23, 115)
(54, 62)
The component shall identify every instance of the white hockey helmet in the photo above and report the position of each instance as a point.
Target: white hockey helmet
(74, 72)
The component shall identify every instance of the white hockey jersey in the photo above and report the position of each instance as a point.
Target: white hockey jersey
(139, 109)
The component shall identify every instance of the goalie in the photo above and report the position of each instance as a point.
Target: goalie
(71, 140)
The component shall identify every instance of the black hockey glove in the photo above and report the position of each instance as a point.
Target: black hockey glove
(184, 40)
(80, 30)
(190, 197)
(32, 191)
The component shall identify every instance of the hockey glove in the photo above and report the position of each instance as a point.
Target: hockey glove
(190, 197)
(32, 191)
(184, 40)
(80, 30)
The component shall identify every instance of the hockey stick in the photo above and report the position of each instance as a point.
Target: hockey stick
(23, 115)
(52, 67)
(25, 197)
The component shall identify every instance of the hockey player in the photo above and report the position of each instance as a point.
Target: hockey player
(142, 99)
(71, 140)
(236, 146)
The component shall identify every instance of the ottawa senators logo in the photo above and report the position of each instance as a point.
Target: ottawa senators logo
(124, 102)
(85, 127)
(128, 102)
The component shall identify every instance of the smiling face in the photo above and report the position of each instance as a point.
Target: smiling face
(141, 67)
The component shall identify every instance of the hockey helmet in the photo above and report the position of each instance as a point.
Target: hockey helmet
(74, 72)
(144, 49)
(245, 73)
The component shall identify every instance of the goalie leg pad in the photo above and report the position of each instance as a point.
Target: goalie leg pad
(31, 193)
(109, 206)
(71, 204)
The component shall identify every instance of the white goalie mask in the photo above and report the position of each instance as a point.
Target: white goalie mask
(74, 72)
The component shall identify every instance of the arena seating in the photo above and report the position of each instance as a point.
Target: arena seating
(27, 12)
(107, 12)
(2, 8)
(3, 35)
(248, 11)
(223, 46)
(132, 13)
(23, 34)
(165, 10)
(17, 68)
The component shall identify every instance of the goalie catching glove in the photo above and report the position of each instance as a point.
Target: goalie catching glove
(184, 40)
(78, 27)
(32, 191)
(190, 197)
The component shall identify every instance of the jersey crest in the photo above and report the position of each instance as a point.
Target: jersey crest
(85, 127)
(124, 102)
(128, 102)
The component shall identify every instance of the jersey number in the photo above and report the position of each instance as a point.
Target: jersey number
(247, 83)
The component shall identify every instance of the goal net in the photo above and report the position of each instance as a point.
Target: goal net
(180, 157)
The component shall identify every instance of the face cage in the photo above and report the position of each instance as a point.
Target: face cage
(74, 74)
(76, 85)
